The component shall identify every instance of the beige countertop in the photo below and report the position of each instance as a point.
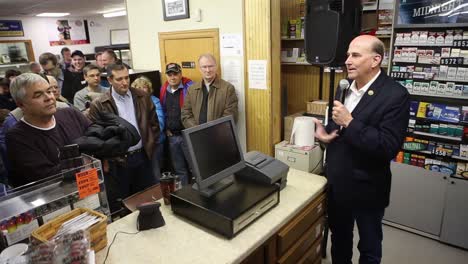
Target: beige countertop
(181, 241)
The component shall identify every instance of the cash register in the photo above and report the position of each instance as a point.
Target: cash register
(230, 192)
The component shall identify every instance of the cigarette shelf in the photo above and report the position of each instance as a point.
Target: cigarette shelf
(460, 158)
(437, 136)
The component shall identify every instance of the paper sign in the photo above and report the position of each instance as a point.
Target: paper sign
(231, 45)
(87, 182)
(258, 74)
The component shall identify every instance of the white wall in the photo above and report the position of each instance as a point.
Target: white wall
(146, 20)
(35, 29)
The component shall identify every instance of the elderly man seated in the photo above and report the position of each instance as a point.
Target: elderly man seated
(33, 143)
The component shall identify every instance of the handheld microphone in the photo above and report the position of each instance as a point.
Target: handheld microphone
(344, 85)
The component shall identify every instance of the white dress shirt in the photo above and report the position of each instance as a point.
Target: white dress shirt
(354, 95)
(126, 111)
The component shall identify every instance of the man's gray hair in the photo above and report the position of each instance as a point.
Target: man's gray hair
(208, 56)
(21, 83)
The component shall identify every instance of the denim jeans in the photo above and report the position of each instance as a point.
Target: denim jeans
(178, 152)
(156, 161)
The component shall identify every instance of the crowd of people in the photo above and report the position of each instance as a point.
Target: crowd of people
(62, 102)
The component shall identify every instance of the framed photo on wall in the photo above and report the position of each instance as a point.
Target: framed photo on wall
(175, 9)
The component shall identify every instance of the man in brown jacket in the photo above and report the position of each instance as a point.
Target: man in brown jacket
(133, 172)
(210, 99)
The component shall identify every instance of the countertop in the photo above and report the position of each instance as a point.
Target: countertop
(181, 241)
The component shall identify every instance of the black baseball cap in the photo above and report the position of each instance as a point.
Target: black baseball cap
(173, 67)
(77, 53)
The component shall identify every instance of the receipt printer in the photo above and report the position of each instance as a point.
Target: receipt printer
(263, 169)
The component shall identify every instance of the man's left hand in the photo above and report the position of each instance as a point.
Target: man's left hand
(340, 114)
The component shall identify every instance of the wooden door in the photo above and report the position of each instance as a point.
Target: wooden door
(184, 48)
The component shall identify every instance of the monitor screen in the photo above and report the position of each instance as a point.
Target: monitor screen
(215, 149)
(215, 154)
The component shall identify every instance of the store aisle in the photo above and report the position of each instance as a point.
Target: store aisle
(401, 247)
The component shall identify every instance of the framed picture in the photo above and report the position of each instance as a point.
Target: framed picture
(175, 9)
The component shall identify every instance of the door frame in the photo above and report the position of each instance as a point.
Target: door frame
(201, 33)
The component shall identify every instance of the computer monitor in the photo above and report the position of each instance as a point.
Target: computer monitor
(214, 154)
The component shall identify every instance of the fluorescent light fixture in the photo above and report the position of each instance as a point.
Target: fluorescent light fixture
(115, 14)
(52, 14)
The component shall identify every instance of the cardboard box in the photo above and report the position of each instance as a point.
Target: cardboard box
(288, 124)
(301, 158)
(318, 107)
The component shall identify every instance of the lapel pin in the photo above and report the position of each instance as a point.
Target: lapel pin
(370, 92)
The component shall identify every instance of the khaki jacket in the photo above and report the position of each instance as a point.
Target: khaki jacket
(222, 101)
(145, 115)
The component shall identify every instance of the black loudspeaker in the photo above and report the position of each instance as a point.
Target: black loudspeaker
(329, 27)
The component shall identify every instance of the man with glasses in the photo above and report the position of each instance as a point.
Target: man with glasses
(210, 99)
(83, 97)
(33, 143)
(50, 65)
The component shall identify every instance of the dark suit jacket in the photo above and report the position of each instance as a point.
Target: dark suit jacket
(358, 161)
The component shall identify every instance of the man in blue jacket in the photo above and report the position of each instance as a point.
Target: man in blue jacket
(364, 134)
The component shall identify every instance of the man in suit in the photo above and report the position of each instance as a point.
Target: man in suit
(363, 136)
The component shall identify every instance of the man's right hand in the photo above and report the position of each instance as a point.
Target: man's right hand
(321, 134)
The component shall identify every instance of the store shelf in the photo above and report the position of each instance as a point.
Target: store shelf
(297, 63)
(17, 65)
(422, 45)
(460, 158)
(292, 39)
(448, 80)
(436, 135)
(384, 36)
(441, 96)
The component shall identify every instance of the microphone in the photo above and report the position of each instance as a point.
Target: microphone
(344, 85)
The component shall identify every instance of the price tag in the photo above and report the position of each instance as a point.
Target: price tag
(87, 182)
(460, 43)
(451, 61)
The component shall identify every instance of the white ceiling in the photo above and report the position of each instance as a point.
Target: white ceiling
(76, 8)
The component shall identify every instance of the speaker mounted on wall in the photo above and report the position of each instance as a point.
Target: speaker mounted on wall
(329, 27)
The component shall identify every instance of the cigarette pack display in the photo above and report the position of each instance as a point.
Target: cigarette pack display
(431, 38)
(422, 37)
(452, 73)
(414, 37)
(397, 55)
(440, 38)
(445, 52)
(410, 68)
(395, 68)
(435, 71)
(464, 114)
(463, 150)
(421, 55)
(425, 87)
(433, 87)
(441, 88)
(416, 87)
(461, 72)
(406, 38)
(458, 34)
(422, 108)
(450, 90)
(409, 85)
(449, 37)
(413, 108)
(443, 70)
(412, 54)
(465, 34)
(465, 90)
(458, 89)
(434, 111)
(450, 114)
(399, 38)
(455, 53)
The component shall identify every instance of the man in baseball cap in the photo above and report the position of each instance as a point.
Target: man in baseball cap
(172, 96)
